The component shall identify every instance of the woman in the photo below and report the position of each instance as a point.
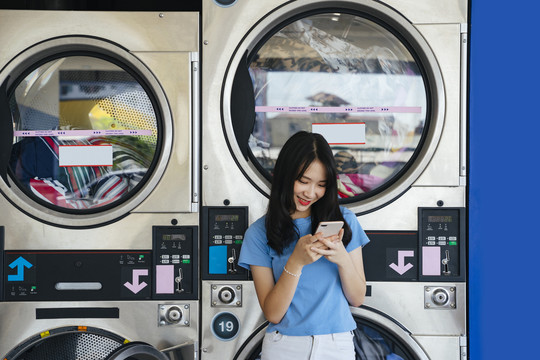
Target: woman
(305, 282)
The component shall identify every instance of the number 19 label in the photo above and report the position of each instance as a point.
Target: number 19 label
(225, 326)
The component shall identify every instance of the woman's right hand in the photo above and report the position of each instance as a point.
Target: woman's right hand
(303, 254)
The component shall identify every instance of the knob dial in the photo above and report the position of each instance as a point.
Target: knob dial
(440, 297)
(174, 315)
(226, 295)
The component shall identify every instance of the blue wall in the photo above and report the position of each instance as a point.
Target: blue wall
(504, 221)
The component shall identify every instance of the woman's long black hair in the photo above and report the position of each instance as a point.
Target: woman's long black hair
(294, 158)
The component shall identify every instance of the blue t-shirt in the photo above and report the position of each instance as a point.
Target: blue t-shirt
(319, 305)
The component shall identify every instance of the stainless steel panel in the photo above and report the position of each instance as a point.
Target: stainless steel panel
(438, 165)
(404, 302)
(161, 51)
(431, 12)
(404, 315)
(136, 31)
(402, 214)
(441, 347)
(249, 315)
(131, 232)
(439, 297)
(444, 167)
(173, 192)
(138, 321)
(221, 177)
(217, 50)
(162, 44)
(196, 132)
(440, 27)
(464, 78)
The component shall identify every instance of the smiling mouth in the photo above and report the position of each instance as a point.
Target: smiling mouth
(304, 202)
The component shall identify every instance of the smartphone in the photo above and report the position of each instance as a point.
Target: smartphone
(329, 228)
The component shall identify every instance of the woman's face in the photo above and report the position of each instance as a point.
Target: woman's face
(308, 189)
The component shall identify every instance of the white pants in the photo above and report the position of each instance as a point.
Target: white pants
(277, 346)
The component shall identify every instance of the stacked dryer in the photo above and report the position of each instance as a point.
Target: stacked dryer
(99, 229)
(385, 82)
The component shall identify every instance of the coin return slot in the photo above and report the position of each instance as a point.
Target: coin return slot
(226, 295)
(178, 315)
(174, 315)
(440, 297)
(62, 286)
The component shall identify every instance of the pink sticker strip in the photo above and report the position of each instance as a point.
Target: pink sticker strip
(339, 109)
(39, 133)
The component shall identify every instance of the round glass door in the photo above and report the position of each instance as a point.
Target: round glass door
(87, 128)
(82, 342)
(358, 80)
(375, 342)
(85, 133)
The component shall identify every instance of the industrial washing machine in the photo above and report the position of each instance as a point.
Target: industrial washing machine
(99, 181)
(385, 83)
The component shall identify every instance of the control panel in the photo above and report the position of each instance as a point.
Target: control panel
(175, 262)
(222, 235)
(391, 255)
(77, 275)
(441, 233)
(168, 271)
(436, 252)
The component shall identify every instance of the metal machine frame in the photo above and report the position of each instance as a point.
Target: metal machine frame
(164, 49)
(437, 179)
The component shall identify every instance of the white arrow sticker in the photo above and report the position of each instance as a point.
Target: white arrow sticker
(137, 286)
(401, 268)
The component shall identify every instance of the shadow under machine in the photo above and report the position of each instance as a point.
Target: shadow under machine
(385, 83)
(99, 154)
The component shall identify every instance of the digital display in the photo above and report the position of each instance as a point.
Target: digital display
(173, 237)
(229, 217)
(440, 219)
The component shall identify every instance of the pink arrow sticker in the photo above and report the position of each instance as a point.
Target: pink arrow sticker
(401, 268)
(137, 286)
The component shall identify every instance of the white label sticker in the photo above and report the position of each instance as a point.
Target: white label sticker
(85, 155)
(341, 133)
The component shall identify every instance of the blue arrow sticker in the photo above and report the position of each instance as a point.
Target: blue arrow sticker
(20, 263)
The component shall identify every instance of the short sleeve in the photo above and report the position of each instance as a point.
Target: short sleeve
(255, 249)
(359, 237)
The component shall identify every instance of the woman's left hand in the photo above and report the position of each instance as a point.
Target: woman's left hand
(334, 250)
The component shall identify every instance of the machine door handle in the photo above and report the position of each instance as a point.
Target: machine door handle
(243, 105)
(445, 262)
(231, 260)
(178, 281)
(6, 132)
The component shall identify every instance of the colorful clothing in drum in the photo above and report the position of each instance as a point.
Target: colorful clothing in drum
(35, 163)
